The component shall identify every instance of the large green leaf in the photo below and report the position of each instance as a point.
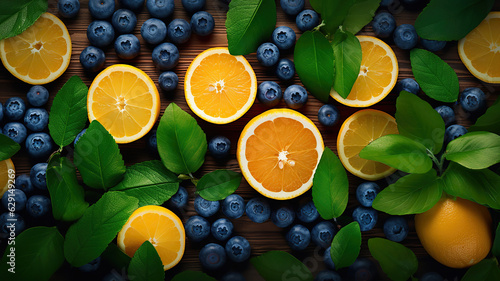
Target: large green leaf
(360, 14)
(8, 147)
(346, 245)
(397, 261)
(495, 250)
(17, 16)
(218, 184)
(146, 264)
(485, 270)
(347, 53)
(490, 120)
(475, 150)
(333, 12)
(279, 265)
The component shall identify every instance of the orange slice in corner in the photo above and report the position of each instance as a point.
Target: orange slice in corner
(6, 169)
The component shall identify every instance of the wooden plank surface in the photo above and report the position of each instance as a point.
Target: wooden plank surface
(266, 236)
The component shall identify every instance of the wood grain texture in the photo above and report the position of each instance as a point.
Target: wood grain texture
(266, 236)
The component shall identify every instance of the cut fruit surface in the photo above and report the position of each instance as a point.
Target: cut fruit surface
(278, 152)
(6, 169)
(220, 87)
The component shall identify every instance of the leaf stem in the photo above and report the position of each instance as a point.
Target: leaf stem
(319, 26)
(439, 163)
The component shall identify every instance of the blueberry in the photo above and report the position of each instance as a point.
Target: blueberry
(285, 70)
(165, 56)
(202, 23)
(269, 93)
(16, 131)
(152, 144)
(268, 54)
(307, 212)
(127, 46)
(100, 33)
(362, 269)
(328, 115)
(219, 147)
(39, 145)
(180, 199)
(68, 8)
(431, 276)
(322, 234)
(396, 228)
(153, 31)
(101, 9)
(36, 119)
(92, 266)
(37, 176)
(407, 84)
(38, 206)
(258, 210)
(307, 20)
(366, 217)
(115, 276)
(205, 208)
(473, 101)
(283, 37)
(212, 256)
(366, 193)
(454, 131)
(222, 229)
(447, 113)
(405, 36)
(14, 108)
(295, 96)
(197, 228)
(161, 9)
(433, 45)
(1, 112)
(283, 217)
(327, 258)
(238, 249)
(193, 6)
(298, 237)
(179, 31)
(134, 5)
(328, 275)
(23, 182)
(14, 200)
(124, 21)
(383, 24)
(77, 138)
(233, 206)
(386, 3)
(11, 222)
(168, 81)
(292, 7)
(233, 276)
(92, 59)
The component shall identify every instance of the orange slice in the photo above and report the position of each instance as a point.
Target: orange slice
(278, 152)
(6, 169)
(220, 87)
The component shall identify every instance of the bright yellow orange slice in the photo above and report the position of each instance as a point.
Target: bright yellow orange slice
(6, 169)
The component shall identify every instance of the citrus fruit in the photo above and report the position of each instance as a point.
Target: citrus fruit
(125, 101)
(456, 233)
(40, 54)
(5, 166)
(220, 87)
(377, 76)
(158, 225)
(480, 49)
(278, 152)
(358, 131)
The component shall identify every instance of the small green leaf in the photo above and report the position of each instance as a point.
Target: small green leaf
(346, 245)
(98, 158)
(485, 270)
(436, 78)
(218, 185)
(490, 120)
(68, 114)
(475, 150)
(360, 14)
(347, 53)
(333, 12)
(146, 264)
(189, 275)
(17, 16)
(279, 265)
(398, 152)
(397, 261)
(115, 257)
(182, 144)
(314, 62)
(330, 189)
(495, 250)
(8, 147)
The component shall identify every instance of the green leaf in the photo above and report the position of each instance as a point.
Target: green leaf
(279, 265)
(146, 264)
(17, 16)
(90, 235)
(347, 53)
(397, 261)
(417, 120)
(115, 257)
(38, 253)
(218, 185)
(411, 194)
(314, 63)
(248, 24)
(398, 152)
(448, 20)
(68, 114)
(360, 14)
(490, 120)
(182, 144)
(485, 270)
(66, 195)
(189, 275)
(8, 147)
(436, 78)
(346, 245)
(475, 150)
(495, 250)
(98, 158)
(330, 189)
(150, 182)
(333, 12)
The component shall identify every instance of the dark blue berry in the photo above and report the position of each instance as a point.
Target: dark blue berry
(285, 70)
(179, 31)
(327, 258)
(193, 6)
(366, 217)
(473, 101)
(197, 228)
(68, 8)
(307, 212)
(238, 249)
(101, 9)
(453, 132)
(366, 193)
(283, 216)
(168, 81)
(205, 208)
(202, 23)
(14, 200)
(298, 237)
(165, 56)
(152, 143)
(161, 9)
(36, 119)
(222, 229)
(405, 36)
(295, 96)
(233, 206)
(37, 176)
(77, 138)
(11, 222)
(134, 5)
(322, 233)
(283, 37)
(212, 256)
(92, 266)
(153, 31)
(180, 199)
(23, 182)
(362, 269)
(396, 228)
(268, 54)
(16, 131)
(100, 33)
(38, 206)
(383, 24)
(39, 145)
(124, 21)
(92, 59)
(328, 275)
(433, 45)
(431, 276)
(233, 276)
(127, 46)
(1, 112)
(219, 147)
(307, 20)
(14, 108)
(269, 93)
(292, 7)
(258, 210)
(447, 113)
(328, 115)
(407, 84)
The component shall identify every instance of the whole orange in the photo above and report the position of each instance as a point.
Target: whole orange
(455, 232)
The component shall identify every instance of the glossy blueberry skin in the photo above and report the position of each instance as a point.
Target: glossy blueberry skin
(268, 54)
(322, 233)
(447, 113)
(386, 3)
(14, 108)
(283, 217)
(127, 46)
(233, 206)
(366, 217)
(295, 96)
(16, 198)
(298, 237)
(285, 70)
(23, 182)
(134, 5)
(168, 81)
(328, 115)
(431, 276)
(68, 8)
(179, 31)
(269, 93)
(16, 131)
(100, 33)
(454, 131)
(362, 269)
(39, 145)
(124, 21)
(233, 276)
(307, 20)
(292, 7)
(327, 258)
(153, 31)
(238, 249)
(180, 199)
(433, 45)
(197, 228)
(205, 208)
(36, 119)
(165, 56)
(92, 59)
(193, 6)
(328, 275)
(219, 147)
(6, 220)
(37, 176)
(383, 24)
(258, 210)
(202, 23)
(161, 9)
(473, 101)
(212, 256)
(396, 228)
(307, 212)
(101, 9)
(92, 266)
(222, 229)
(77, 138)
(283, 37)
(366, 193)
(405, 36)
(1, 112)
(407, 84)
(38, 206)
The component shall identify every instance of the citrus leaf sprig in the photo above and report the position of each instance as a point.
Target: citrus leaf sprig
(17, 16)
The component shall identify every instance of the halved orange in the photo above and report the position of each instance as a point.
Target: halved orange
(7, 172)
(125, 101)
(220, 87)
(158, 225)
(358, 131)
(278, 152)
(41, 53)
(480, 49)
(377, 76)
